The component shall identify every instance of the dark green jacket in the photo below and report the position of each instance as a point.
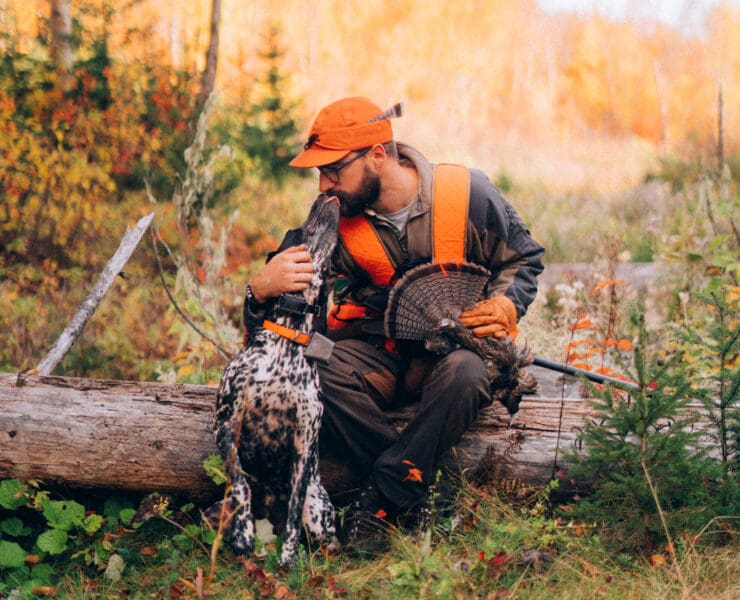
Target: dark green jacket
(496, 239)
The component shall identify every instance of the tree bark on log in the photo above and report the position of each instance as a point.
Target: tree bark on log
(142, 436)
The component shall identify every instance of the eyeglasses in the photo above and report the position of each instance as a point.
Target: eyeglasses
(332, 173)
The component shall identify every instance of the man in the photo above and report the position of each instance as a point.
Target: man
(386, 191)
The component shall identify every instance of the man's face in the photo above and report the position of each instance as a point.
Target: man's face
(352, 203)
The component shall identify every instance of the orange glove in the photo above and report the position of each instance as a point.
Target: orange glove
(493, 316)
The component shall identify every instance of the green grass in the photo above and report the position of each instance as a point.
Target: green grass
(491, 547)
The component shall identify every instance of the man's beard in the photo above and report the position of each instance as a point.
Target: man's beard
(352, 204)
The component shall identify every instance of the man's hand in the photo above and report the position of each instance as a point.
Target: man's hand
(492, 317)
(289, 271)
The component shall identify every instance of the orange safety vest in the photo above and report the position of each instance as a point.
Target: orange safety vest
(451, 191)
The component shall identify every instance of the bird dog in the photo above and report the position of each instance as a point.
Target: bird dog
(269, 409)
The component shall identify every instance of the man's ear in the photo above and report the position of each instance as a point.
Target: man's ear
(378, 155)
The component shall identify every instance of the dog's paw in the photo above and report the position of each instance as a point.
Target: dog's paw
(242, 543)
(242, 533)
(288, 555)
(333, 544)
(218, 515)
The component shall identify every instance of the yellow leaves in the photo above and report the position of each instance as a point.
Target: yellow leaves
(181, 356)
(34, 202)
(13, 215)
(185, 370)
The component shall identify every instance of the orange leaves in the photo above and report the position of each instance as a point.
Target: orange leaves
(414, 474)
(606, 283)
(623, 344)
(583, 342)
(574, 356)
(583, 322)
(658, 560)
(586, 346)
(267, 585)
(594, 347)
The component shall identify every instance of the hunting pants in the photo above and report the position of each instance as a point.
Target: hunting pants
(361, 382)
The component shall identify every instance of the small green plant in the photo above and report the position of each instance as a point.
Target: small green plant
(711, 354)
(35, 530)
(649, 473)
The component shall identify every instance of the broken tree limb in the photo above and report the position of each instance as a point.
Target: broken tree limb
(114, 266)
(142, 436)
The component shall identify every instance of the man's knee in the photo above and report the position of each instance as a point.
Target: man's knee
(360, 368)
(465, 372)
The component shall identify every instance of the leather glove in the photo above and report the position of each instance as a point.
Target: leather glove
(492, 317)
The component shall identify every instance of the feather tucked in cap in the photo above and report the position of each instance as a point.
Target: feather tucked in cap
(343, 126)
(393, 112)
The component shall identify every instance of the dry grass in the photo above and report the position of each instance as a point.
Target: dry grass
(448, 564)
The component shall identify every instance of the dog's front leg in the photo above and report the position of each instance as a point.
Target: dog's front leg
(299, 483)
(318, 512)
(239, 494)
(242, 524)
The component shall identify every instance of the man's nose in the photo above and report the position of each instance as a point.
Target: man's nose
(324, 183)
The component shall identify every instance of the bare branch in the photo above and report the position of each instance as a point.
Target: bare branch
(95, 296)
(222, 351)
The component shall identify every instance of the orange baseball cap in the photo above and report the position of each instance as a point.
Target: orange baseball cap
(343, 126)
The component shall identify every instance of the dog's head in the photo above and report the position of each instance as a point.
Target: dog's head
(320, 234)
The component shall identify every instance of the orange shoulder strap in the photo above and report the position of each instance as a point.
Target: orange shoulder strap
(364, 245)
(449, 222)
(449, 212)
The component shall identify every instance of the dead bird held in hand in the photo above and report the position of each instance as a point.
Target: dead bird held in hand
(425, 305)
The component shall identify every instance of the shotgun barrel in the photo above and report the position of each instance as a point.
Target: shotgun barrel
(595, 377)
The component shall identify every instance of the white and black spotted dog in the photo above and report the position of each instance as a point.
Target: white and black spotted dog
(269, 410)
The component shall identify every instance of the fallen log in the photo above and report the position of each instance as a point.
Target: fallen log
(143, 436)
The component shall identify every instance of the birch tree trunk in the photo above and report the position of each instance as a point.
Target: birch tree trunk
(208, 77)
(60, 45)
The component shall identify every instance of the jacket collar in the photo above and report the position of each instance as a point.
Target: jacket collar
(425, 171)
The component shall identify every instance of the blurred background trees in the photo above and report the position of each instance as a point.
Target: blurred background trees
(99, 100)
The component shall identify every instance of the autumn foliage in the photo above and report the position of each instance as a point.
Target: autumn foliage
(497, 84)
(66, 158)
